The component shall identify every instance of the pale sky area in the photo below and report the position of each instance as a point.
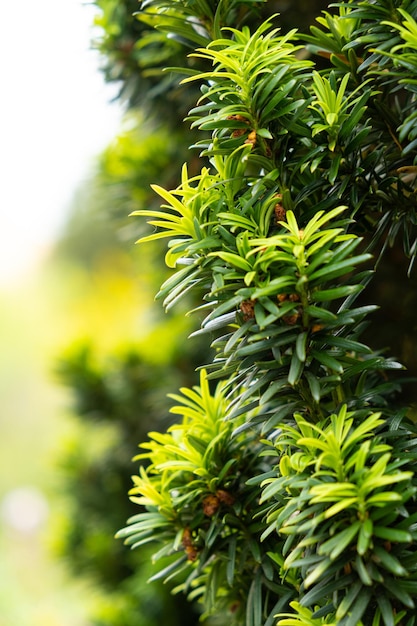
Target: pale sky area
(55, 117)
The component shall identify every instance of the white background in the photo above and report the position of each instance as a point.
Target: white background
(55, 116)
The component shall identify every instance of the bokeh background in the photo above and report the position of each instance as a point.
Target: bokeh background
(56, 116)
(87, 358)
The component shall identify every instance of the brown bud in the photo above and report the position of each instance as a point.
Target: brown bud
(238, 132)
(189, 547)
(238, 118)
(291, 319)
(187, 537)
(225, 497)
(280, 213)
(294, 297)
(248, 309)
(211, 505)
(282, 297)
(191, 553)
(251, 138)
(316, 328)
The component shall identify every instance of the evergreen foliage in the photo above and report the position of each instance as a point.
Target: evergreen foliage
(137, 43)
(287, 493)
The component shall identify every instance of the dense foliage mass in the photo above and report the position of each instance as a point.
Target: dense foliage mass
(138, 43)
(120, 391)
(286, 494)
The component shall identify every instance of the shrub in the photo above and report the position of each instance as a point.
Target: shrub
(287, 492)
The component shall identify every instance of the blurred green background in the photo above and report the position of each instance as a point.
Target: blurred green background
(88, 358)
